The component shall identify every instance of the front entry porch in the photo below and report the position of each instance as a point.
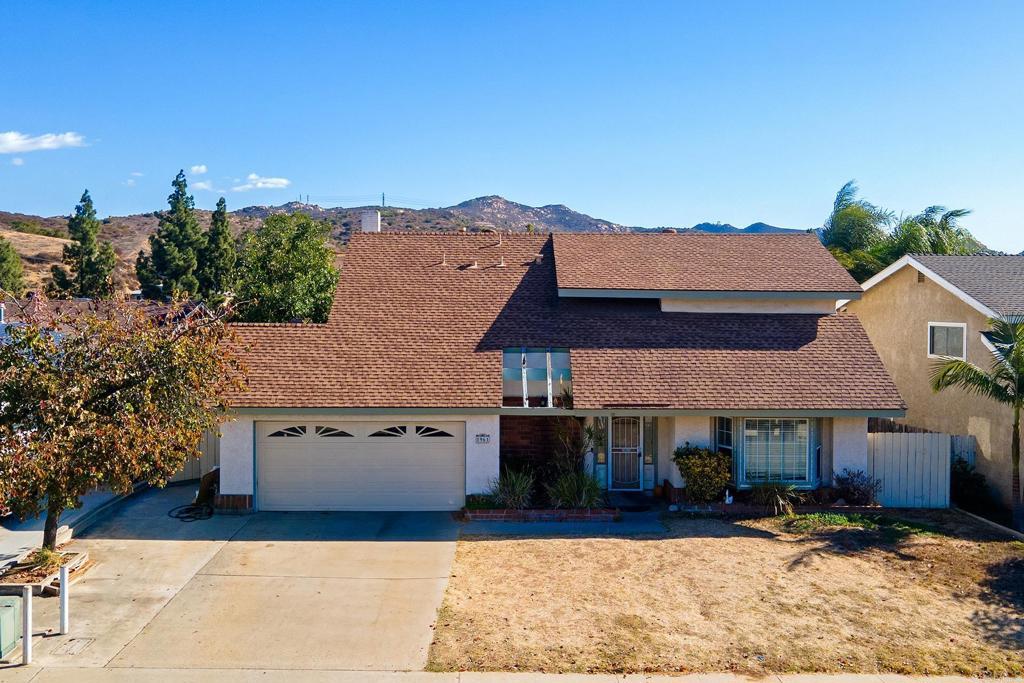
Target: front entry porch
(624, 457)
(632, 452)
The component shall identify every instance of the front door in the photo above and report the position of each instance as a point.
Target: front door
(627, 455)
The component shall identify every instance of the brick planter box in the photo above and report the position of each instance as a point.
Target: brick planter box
(746, 510)
(542, 515)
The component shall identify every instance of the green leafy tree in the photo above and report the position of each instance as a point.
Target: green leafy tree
(1002, 382)
(286, 271)
(12, 274)
(169, 270)
(107, 398)
(88, 263)
(217, 256)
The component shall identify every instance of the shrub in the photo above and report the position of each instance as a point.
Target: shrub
(575, 490)
(968, 487)
(45, 559)
(704, 472)
(856, 487)
(776, 498)
(513, 489)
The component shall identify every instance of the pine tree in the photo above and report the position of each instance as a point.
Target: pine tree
(90, 263)
(217, 257)
(12, 275)
(169, 269)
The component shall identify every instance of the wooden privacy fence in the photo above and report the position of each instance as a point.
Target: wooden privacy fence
(913, 468)
(196, 468)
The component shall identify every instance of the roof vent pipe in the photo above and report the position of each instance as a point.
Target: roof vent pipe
(371, 221)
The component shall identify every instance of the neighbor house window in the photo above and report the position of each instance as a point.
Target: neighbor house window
(536, 377)
(947, 340)
(776, 450)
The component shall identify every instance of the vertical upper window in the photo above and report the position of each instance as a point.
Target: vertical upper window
(723, 434)
(536, 377)
(947, 340)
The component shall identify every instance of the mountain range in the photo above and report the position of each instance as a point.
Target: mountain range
(40, 240)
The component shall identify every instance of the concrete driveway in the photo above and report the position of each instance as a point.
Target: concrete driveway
(342, 591)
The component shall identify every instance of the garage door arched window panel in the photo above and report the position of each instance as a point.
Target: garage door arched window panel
(424, 430)
(397, 430)
(285, 432)
(330, 431)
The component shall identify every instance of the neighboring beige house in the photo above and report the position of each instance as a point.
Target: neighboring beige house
(925, 306)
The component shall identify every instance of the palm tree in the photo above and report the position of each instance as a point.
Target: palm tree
(1002, 382)
(854, 223)
(943, 232)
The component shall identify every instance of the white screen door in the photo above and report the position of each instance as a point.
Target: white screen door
(627, 437)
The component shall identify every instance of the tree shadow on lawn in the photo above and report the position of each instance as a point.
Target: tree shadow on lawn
(850, 541)
(1003, 622)
(893, 532)
(990, 568)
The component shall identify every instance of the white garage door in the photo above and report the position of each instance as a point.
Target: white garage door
(319, 465)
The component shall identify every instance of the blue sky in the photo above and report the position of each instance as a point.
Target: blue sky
(642, 113)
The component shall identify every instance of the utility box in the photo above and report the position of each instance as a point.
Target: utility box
(10, 624)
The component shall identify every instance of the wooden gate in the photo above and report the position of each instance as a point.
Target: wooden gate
(196, 468)
(913, 468)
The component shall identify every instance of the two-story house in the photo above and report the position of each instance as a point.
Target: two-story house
(446, 354)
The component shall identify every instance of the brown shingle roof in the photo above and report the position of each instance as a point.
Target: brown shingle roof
(699, 262)
(414, 324)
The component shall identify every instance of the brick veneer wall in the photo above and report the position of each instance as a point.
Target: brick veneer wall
(232, 502)
(527, 440)
(543, 515)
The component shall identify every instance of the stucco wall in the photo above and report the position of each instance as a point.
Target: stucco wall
(694, 429)
(895, 313)
(236, 457)
(849, 445)
(750, 305)
(236, 447)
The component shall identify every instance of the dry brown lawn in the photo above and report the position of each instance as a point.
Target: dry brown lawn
(759, 596)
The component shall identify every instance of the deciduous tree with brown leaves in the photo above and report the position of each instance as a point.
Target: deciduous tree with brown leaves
(119, 394)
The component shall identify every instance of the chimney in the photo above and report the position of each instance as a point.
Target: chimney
(371, 221)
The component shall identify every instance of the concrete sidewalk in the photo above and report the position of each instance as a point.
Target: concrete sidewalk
(130, 675)
(18, 538)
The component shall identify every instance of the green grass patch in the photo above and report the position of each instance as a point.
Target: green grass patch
(891, 528)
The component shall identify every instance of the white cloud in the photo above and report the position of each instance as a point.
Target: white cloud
(137, 174)
(17, 161)
(198, 169)
(203, 185)
(130, 182)
(13, 142)
(257, 182)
